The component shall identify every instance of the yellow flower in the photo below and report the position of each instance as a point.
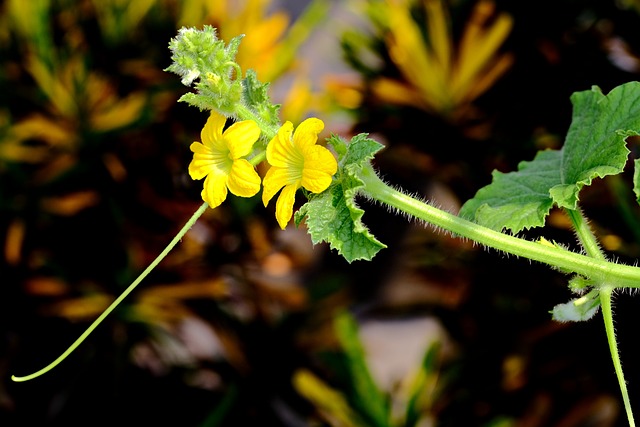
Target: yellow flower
(439, 77)
(296, 162)
(440, 74)
(220, 158)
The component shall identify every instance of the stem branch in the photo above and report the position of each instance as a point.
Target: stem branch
(585, 235)
(597, 269)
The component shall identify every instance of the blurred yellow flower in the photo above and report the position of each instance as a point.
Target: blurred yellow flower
(118, 19)
(76, 92)
(219, 158)
(296, 162)
(271, 40)
(437, 76)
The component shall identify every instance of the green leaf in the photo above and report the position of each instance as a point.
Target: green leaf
(422, 393)
(256, 97)
(594, 147)
(366, 395)
(333, 215)
(517, 200)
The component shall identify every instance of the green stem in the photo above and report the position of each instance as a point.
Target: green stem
(268, 131)
(607, 315)
(118, 300)
(596, 269)
(592, 248)
(585, 235)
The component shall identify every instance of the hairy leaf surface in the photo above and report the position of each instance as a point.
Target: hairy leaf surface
(594, 147)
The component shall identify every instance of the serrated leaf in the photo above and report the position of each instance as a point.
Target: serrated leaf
(594, 147)
(256, 96)
(333, 216)
(359, 151)
(517, 200)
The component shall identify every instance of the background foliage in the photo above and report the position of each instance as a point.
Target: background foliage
(245, 324)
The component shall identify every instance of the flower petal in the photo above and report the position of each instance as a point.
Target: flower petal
(320, 158)
(315, 181)
(240, 137)
(279, 148)
(200, 166)
(243, 181)
(306, 133)
(273, 181)
(284, 205)
(215, 189)
(211, 133)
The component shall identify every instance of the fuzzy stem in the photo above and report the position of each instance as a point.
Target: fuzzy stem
(597, 269)
(118, 300)
(585, 235)
(244, 113)
(607, 315)
(592, 248)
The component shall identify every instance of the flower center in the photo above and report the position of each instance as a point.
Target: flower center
(296, 164)
(223, 161)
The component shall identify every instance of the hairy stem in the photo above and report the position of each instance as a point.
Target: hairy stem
(585, 235)
(592, 248)
(244, 113)
(607, 315)
(118, 300)
(595, 269)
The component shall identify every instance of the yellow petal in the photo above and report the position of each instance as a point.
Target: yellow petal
(320, 166)
(319, 158)
(197, 148)
(211, 134)
(273, 181)
(307, 132)
(200, 166)
(243, 181)
(240, 138)
(215, 189)
(284, 205)
(279, 148)
(315, 181)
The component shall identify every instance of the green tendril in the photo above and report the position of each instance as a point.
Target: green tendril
(118, 300)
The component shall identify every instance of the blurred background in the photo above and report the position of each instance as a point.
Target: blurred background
(245, 324)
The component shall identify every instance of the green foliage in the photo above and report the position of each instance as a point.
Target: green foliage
(594, 148)
(256, 95)
(333, 216)
(199, 54)
(365, 396)
(421, 395)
